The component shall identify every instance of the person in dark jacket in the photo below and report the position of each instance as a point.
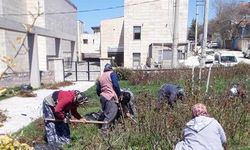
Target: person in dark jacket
(60, 105)
(170, 93)
(108, 88)
(128, 103)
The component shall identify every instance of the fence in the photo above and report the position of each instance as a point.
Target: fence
(81, 71)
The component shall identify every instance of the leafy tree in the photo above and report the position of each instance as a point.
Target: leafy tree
(191, 31)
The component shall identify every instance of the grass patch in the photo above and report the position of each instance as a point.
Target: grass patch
(161, 130)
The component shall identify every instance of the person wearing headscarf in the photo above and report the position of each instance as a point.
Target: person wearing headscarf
(170, 93)
(128, 103)
(108, 88)
(60, 105)
(202, 132)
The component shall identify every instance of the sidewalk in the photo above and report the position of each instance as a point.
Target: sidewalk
(21, 111)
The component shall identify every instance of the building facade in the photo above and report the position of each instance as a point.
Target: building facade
(149, 23)
(144, 35)
(112, 40)
(55, 37)
(90, 44)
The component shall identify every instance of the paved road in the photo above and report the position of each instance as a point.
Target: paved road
(22, 111)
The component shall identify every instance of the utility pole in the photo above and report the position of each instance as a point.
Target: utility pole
(204, 42)
(175, 35)
(196, 24)
(196, 28)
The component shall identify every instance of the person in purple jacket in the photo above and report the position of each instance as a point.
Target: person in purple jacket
(108, 88)
(202, 132)
(169, 93)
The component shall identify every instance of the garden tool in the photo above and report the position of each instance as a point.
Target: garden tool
(132, 119)
(78, 121)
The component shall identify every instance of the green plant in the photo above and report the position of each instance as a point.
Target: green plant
(162, 129)
(123, 73)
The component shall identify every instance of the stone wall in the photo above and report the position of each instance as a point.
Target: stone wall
(13, 80)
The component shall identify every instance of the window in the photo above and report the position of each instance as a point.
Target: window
(85, 41)
(165, 54)
(137, 32)
(227, 59)
(136, 59)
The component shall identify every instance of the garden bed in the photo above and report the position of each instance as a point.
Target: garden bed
(163, 129)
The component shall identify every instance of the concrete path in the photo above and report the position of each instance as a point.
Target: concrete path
(22, 111)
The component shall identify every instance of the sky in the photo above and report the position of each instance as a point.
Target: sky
(91, 19)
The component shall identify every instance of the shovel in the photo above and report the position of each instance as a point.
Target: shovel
(79, 121)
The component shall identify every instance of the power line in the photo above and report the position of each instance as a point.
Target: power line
(84, 11)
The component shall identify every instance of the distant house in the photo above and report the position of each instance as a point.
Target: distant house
(56, 34)
(90, 44)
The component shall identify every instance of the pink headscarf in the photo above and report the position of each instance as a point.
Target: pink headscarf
(199, 110)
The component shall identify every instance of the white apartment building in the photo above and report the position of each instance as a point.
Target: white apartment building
(56, 34)
(90, 44)
(147, 24)
(144, 34)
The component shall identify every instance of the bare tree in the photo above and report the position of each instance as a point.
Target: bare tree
(227, 18)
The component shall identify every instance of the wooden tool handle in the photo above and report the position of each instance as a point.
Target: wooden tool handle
(78, 121)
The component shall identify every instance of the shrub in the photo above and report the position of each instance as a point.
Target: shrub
(123, 73)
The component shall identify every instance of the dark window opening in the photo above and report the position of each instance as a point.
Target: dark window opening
(137, 32)
(85, 41)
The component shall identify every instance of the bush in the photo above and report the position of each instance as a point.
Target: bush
(123, 73)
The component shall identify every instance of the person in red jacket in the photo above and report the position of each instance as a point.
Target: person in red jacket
(60, 105)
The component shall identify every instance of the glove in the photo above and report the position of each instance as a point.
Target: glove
(66, 120)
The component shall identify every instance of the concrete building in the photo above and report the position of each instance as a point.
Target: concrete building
(149, 23)
(144, 35)
(112, 40)
(55, 37)
(90, 44)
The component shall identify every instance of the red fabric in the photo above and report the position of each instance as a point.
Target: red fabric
(65, 103)
(199, 110)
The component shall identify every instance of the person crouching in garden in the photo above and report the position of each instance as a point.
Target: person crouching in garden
(169, 93)
(128, 104)
(202, 132)
(59, 106)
